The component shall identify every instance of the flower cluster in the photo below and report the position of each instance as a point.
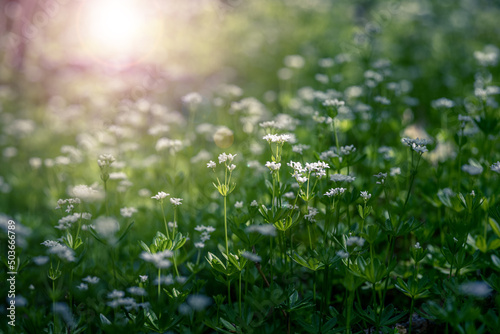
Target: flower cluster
(418, 145)
(335, 192)
(280, 139)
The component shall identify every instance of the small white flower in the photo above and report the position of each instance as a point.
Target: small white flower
(143, 278)
(176, 201)
(231, 168)
(417, 245)
(342, 178)
(91, 279)
(366, 196)
(211, 164)
(251, 256)
(496, 167)
(342, 254)
(254, 203)
(137, 291)
(116, 294)
(351, 241)
(395, 171)
(443, 103)
(473, 168)
(273, 166)
(82, 287)
(335, 192)
(333, 103)
(312, 214)
(127, 212)
(161, 195)
(198, 302)
(477, 289)
(199, 245)
(266, 229)
(238, 205)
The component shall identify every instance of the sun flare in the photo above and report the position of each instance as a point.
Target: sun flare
(118, 30)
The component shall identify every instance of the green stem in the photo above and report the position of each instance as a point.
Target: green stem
(54, 303)
(350, 302)
(106, 198)
(159, 284)
(239, 296)
(411, 313)
(227, 250)
(164, 219)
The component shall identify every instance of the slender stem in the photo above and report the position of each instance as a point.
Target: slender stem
(239, 296)
(350, 302)
(106, 198)
(54, 303)
(159, 284)
(164, 219)
(227, 249)
(411, 313)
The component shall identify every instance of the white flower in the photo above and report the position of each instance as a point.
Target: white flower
(442, 103)
(472, 168)
(238, 205)
(395, 171)
(86, 193)
(342, 254)
(254, 203)
(417, 245)
(143, 278)
(198, 302)
(366, 196)
(176, 201)
(127, 212)
(311, 215)
(50, 243)
(294, 61)
(477, 289)
(137, 291)
(251, 256)
(40, 260)
(496, 167)
(192, 99)
(333, 103)
(82, 287)
(231, 168)
(91, 279)
(342, 178)
(105, 160)
(382, 100)
(355, 241)
(158, 259)
(381, 176)
(335, 192)
(106, 227)
(222, 158)
(116, 294)
(161, 195)
(266, 229)
(211, 164)
(273, 166)
(199, 245)
(63, 252)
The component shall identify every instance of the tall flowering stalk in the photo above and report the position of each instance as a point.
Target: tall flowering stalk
(104, 162)
(225, 188)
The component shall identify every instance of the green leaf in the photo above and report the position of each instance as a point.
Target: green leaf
(481, 244)
(126, 231)
(144, 246)
(496, 261)
(494, 226)
(228, 325)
